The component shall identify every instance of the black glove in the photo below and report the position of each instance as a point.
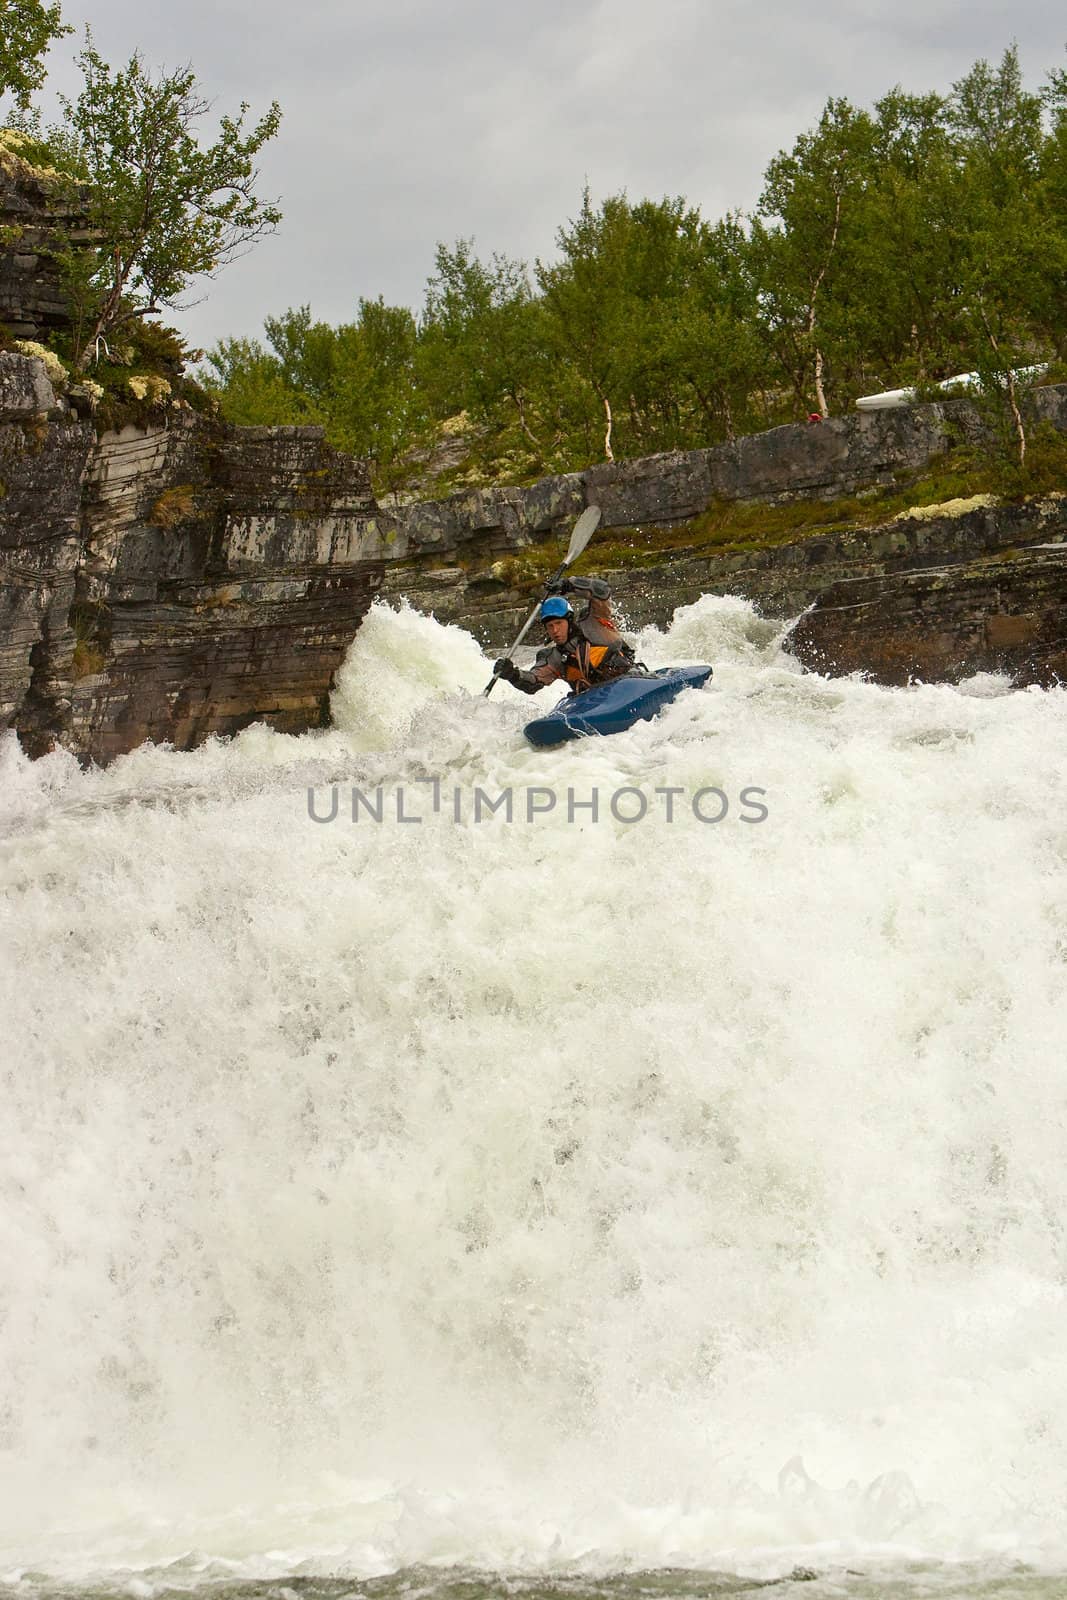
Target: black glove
(560, 586)
(505, 668)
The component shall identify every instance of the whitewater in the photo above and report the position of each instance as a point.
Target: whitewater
(609, 1206)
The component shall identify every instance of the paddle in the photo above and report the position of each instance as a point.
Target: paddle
(584, 530)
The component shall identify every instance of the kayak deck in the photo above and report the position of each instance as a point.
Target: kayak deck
(615, 706)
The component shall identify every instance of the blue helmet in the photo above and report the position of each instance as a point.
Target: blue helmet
(555, 606)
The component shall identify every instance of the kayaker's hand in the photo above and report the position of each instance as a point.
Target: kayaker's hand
(505, 668)
(561, 586)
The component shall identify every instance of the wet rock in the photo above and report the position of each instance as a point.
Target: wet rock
(176, 582)
(1004, 613)
(187, 579)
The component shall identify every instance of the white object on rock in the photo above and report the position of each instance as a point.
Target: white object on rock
(964, 381)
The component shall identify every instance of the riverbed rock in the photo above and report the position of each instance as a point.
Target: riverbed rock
(1004, 614)
(178, 581)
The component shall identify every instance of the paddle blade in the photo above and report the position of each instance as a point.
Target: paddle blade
(584, 529)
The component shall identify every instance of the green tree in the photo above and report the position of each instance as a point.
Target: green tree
(711, 337)
(1054, 171)
(813, 200)
(1012, 270)
(905, 248)
(164, 209)
(254, 389)
(614, 307)
(482, 344)
(375, 404)
(586, 300)
(358, 381)
(27, 28)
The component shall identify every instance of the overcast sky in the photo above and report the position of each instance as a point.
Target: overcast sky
(407, 122)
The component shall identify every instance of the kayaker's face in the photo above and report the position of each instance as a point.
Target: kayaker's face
(557, 629)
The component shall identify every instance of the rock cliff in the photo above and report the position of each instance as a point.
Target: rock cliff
(189, 578)
(36, 215)
(1006, 614)
(444, 557)
(174, 582)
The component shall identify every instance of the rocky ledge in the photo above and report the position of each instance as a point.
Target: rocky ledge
(189, 578)
(447, 558)
(1007, 614)
(173, 582)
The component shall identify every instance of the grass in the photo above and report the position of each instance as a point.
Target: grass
(728, 525)
(87, 661)
(173, 506)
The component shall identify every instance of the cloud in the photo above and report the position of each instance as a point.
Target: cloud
(415, 121)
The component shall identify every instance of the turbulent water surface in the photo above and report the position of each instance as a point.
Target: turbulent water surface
(556, 1206)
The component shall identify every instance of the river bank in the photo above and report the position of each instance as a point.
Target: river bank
(187, 578)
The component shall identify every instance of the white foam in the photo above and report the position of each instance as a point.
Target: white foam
(533, 1194)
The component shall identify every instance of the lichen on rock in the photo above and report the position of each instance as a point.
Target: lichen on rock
(148, 387)
(947, 508)
(55, 371)
(459, 424)
(12, 143)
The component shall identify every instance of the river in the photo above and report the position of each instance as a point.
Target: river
(659, 1191)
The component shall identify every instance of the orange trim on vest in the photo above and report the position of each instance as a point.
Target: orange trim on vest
(587, 658)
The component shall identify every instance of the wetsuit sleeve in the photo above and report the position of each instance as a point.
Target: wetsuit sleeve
(591, 588)
(595, 592)
(542, 673)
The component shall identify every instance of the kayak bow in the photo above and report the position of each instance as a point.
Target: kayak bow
(615, 706)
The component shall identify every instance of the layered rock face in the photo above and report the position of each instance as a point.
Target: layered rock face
(782, 580)
(942, 623)
(173, 583)
(224, 574)
(42, 466)
(35, 214)
(191, 578)
(823, 574)
(450, 545)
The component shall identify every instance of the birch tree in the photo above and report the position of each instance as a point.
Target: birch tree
(164, 208)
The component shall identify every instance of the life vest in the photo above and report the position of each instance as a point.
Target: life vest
(586, 664)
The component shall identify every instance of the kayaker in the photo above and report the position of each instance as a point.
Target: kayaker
(585, 650)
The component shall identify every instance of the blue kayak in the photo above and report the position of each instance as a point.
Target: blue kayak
(613, 707)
